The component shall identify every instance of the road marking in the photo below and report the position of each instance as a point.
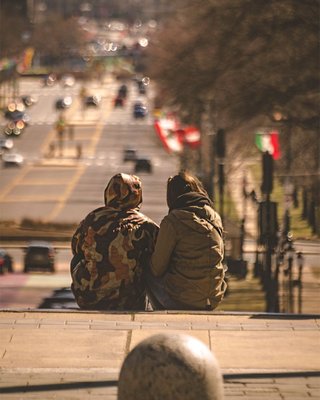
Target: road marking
(66, 195)
(80, 167)
(52, 134)
(46, 182)
(32, 198)
(48, 281)
(16, 181)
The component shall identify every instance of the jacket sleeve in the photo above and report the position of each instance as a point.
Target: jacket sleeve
(166, 241)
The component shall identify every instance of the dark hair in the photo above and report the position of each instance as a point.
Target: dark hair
(182, 183)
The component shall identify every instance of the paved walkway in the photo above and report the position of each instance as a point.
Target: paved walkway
(78, 355)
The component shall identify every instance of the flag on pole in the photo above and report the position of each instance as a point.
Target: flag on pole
(173, 135)
(166, 129)
(268, 141)
(190, 136)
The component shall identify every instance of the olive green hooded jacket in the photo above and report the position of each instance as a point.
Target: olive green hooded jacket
(188, 254)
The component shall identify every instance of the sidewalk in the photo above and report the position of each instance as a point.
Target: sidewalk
(78, 355)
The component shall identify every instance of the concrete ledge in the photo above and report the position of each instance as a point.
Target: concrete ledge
(39, 347)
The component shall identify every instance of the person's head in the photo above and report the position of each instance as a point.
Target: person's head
(123, 192)
(180, 184)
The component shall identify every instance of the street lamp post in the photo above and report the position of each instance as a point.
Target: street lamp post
(286, 121)
(298, 282)
(291, 254)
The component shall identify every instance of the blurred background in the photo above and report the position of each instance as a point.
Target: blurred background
(228, 89)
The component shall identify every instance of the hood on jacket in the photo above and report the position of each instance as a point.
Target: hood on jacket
(200, 219)
(123, 192)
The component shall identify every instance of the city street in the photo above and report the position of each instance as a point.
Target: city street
(64, 188)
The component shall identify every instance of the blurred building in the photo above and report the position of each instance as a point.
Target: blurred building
(98, 9)
(13, 7)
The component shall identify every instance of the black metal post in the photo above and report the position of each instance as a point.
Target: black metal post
(221, 189)
(290, 285)
(268, 260)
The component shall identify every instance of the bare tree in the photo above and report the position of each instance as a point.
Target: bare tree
(12, 29)
(253, 62)
(254, 56)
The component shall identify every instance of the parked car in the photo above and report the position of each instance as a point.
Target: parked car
(12, 160)
(129, 155)
(39, 255)
(139, 110)
(143, 165)
(6, 144)
(14, 129)
(60, 299)
(6, 262)
(64, 102)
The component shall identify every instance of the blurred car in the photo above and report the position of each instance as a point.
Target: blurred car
(123, 91)
(129, 155)
(14, 129)
(28, 101)
(92, 101)
(119, 101)
(16, 116)
(6, 263)
(68, 80)
(49, 80)
(139, 110)
(5, 144)
(12, 160)
(141, 86)
(39, 256)
(60, 299)
(143, 165)
(64, 102)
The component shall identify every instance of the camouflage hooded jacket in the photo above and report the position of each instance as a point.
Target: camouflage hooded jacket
(110, 247)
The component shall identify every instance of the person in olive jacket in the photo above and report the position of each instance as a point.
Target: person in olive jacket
(186, 269)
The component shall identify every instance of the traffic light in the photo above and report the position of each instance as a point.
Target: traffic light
(267, 173)
(220, 143)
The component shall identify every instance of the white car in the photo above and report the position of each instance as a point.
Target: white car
(12, 160)
(5, 144)
(68, 80)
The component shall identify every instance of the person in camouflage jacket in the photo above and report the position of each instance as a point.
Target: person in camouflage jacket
(110, 248)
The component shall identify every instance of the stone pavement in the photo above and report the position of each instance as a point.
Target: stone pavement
(78, 355)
